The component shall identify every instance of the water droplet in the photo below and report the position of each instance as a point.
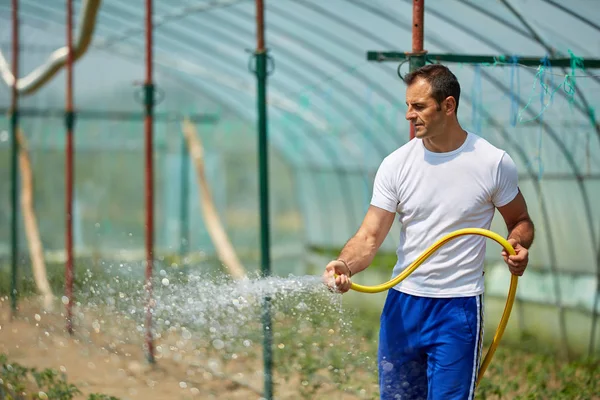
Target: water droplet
(65, 300)
(182, 385)
(38, 317)
(218, 344)
(165, 282)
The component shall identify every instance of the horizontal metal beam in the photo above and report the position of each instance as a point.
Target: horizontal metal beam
(382, 56)
(114, 115)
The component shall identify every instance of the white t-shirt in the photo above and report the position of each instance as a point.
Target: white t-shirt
(435, 194)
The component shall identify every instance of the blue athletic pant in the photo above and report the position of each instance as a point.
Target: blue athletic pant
(429, 348)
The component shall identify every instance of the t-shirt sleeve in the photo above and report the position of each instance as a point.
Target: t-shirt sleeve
(384, 190)
(507, 182)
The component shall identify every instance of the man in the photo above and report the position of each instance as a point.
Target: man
(445, 179)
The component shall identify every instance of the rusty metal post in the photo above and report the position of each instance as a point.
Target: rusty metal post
(69, 122)
(149, 178)
(417, 57)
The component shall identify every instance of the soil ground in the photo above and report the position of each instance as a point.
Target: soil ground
(96, 364)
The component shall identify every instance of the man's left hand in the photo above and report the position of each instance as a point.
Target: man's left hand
(517, 263)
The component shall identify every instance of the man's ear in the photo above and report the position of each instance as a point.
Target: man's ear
(450, 105)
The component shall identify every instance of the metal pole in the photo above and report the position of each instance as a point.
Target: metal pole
(417, 58)
(14, 123)
(148, 120)
(184, 227)
(261, 75)
(69, 122)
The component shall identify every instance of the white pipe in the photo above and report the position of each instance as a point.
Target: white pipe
(42, 74)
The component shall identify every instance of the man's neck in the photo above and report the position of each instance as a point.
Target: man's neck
(450, 141)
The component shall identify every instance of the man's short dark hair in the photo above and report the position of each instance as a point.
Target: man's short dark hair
(443, 82)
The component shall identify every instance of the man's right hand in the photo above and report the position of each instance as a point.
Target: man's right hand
(341, 283)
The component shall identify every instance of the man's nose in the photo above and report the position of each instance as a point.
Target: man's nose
(410, 115)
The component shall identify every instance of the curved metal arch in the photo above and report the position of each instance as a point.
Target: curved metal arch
(112, 8)
(320, 52)
(33, 16)
(350, 25)
(185, 43)
(442, 44)
(344, 187)
(187, 86)
(497, 18)
(368, 137)
(181, 76)
(59, 23)
(379, 147)
(470, 31)
(43, 8)
(551, 51)
(330, 154)
(527, 35)
(330, 36)
(573, 14)
(347, 196)
(175, 36)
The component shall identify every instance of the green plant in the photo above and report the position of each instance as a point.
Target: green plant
(21, 383)
(95, 396)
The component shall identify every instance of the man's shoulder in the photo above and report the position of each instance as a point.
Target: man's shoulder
(485, 148)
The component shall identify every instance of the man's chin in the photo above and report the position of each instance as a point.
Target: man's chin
(420, 133)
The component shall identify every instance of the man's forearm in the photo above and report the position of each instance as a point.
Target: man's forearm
(523, 232)
(358, 253)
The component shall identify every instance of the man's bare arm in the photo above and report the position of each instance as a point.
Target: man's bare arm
(518, 222)
(359, 251)
(521, 233)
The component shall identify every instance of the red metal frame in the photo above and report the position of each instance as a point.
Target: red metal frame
(417, 37)
(149, 181)
(260, 26)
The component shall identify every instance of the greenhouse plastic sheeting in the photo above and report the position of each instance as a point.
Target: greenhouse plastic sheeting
(333, 116)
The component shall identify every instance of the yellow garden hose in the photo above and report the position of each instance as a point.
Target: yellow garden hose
(409, 270)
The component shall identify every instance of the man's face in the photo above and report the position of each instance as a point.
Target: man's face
(423, 111)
